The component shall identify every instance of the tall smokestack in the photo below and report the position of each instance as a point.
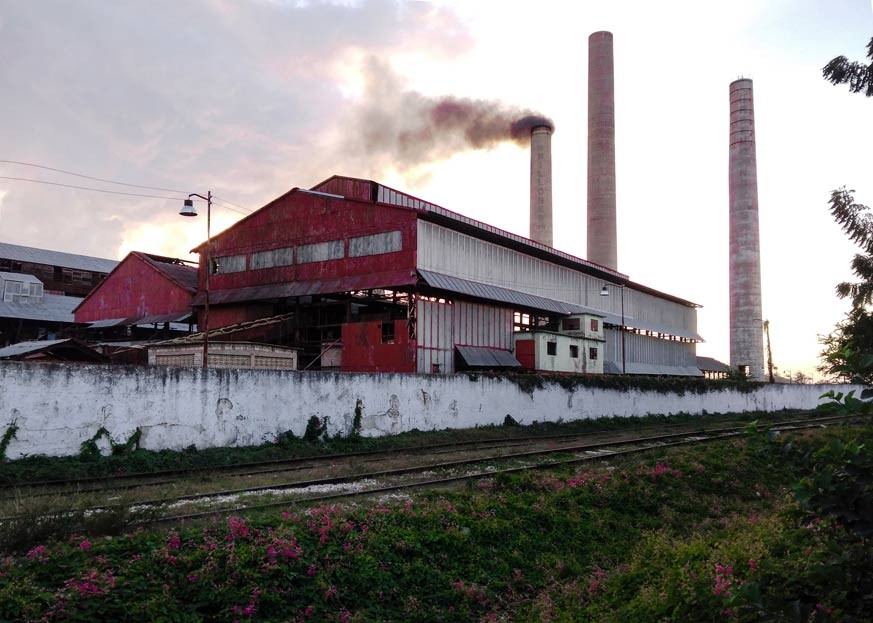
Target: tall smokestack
(747, 339)
(602, 243)
(541, 184)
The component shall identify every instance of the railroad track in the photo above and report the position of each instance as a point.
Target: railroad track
(126, 482)
(389, 481)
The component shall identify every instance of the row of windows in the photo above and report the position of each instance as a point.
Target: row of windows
(18, 291)
(360, 246)
(552, 349)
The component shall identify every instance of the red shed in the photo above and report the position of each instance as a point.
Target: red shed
(142, 289)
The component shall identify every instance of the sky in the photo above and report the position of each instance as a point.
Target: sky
(249, 99)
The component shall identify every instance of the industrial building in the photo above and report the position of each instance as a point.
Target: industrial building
(368, 278)
(39, 289)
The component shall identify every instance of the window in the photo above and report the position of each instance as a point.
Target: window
(388, 332)
(376, 244)
(321, 251)
(12, 291)
(228, 264)
(551, 348)
(595, 325)
(273, 257)
(570, 324)
(574, 351)
(592, 354)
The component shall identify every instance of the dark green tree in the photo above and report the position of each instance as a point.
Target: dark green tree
(858, 75)
(848, 350)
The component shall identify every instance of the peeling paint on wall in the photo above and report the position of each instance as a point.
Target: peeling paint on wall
(55, 407)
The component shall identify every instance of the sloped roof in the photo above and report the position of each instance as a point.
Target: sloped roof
(178, 271)
(19, 277)
(55, 258)
(708, 364)
(52, 308)
(63, 350)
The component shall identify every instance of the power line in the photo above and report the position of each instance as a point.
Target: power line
(98, 190)
(89, 177)
(110, 192)
(107, 181)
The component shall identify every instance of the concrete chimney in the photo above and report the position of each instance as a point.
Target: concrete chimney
(602, 240)
(746, 328)
(541, 184)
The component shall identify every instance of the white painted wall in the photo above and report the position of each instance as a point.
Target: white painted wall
(57, 407)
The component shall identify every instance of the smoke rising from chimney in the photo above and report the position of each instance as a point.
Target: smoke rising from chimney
(401, 128)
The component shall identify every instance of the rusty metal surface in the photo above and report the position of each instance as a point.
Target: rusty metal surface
(349, 283)
(140, 287)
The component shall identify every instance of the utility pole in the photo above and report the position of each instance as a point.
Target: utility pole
(769, 351)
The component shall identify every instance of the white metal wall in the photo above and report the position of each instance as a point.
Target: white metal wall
(441, 326)
(450, 252)
(646, 349)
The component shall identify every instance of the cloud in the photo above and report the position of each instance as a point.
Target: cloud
(239, 98)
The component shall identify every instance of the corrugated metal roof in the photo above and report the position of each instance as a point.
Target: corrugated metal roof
(308, 288)
(712, 365)
(53, 308)
(55, 258)
(22, 348)
(395, 197)
(19, 277)
(182, 274)
(484, 357)
(656, 369)
(504, 295)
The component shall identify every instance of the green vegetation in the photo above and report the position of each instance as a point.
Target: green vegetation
(759, 528)
(131, 459)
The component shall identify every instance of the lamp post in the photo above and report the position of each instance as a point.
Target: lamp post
(604, 291)
(188, 210)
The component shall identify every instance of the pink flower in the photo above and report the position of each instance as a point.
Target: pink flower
(37, 553)
(84, 546)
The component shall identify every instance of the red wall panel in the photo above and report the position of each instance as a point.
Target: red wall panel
(134, 290)
(298, 218)
(363, 350)
(525, 352)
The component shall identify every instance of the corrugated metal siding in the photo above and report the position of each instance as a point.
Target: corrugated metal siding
(644, 349)
(394, 197)
(135, 290)
(307, 222)
(440, 326)
(443, 250)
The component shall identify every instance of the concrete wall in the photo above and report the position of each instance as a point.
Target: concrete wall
(57, 407)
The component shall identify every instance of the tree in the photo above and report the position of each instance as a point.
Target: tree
(848, 350)
(859, 76)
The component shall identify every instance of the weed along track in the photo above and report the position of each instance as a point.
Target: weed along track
(169, 477)
(186, 499)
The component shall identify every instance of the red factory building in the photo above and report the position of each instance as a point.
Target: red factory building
(362, 277)
(142, 290)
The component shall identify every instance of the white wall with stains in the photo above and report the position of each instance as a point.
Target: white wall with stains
(57, 407)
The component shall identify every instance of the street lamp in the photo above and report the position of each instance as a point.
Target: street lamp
(188, 210)
(604, 291)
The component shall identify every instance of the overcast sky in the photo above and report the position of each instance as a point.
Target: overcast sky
(250, 99)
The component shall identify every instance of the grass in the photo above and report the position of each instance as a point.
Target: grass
(144, 461)
(705, 533)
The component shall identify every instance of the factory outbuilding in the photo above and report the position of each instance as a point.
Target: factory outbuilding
(369, 279)
(143, 290)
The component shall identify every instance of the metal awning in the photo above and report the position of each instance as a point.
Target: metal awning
(654, 369)
(484, 357)
(505, 295)
(307, 288)
(177, 317)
